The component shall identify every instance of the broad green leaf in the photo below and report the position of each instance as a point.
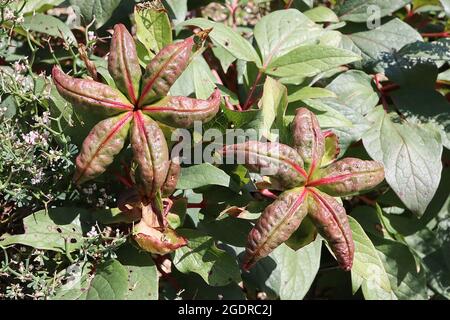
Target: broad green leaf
(362, 10)
(34, 6)
(282, 31)
(309, 61)
(328, 116)
(194, 288)
(102, 10)
(202, 175)
(417, 96)
(436, 51)
(227, 38)
(406, 282)
(286, 273)
(356, 89)
(110, 282)
(153, 28)
(49, 25)
(142, 273)
(310, 93)
(321, 14)
(347, 134)
(273, 102)
(368, 271)
(202, 256)
(446, 5)
(58, 230)
(196, 79)
(411, 155)
(177, 10)
(390, 36)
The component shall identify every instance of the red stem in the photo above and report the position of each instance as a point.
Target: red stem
(247, 103)
(289, 4)
(436, 35)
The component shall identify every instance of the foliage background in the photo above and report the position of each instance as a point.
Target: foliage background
(384, 92)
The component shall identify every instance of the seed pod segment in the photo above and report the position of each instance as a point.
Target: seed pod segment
(94, 96)
(349, 176)
(270, 159)
(164, 69)
(173, 174)
(277, 223)
(308, 138)
(150, 153)
(330, 219)
(123, 63)
(104, 141)
(181, 112)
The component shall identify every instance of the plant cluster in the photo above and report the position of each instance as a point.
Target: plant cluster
(129, 158)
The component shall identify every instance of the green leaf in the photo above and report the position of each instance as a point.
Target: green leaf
(350, 133)
(142, 273)
(110, 282)
(417, 96)
(390, 36)
(177, 10)
(286, 273)
(273, 102)
(356, 89)
(49, 25)
(102, 10)
(310, 93)
(58, 230)
(227, 38)
(359, 10)
(406, 282)
(368, 270)
(309, 61)
(9, 104)
(321, 14)
(153, 28)
(196, 79)
(202, 175)
(328, 116)
(202, 256)
(282, 31)
(411, 155)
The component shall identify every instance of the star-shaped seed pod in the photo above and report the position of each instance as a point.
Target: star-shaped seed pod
(134, 108)
(311, 178)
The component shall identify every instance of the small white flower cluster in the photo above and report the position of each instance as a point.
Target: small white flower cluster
(91, 36)
(10, 15)
(34, 137)
(97, 196)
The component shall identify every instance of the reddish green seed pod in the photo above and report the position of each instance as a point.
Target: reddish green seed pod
(151, 154)
(104, 141)
(123, 63)
(331, 221)
(181, 112)
(94, 96)
(308, 138)
(350, 176)
(270, 159)
(277, 223)
(170, 184)
(164, 69)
